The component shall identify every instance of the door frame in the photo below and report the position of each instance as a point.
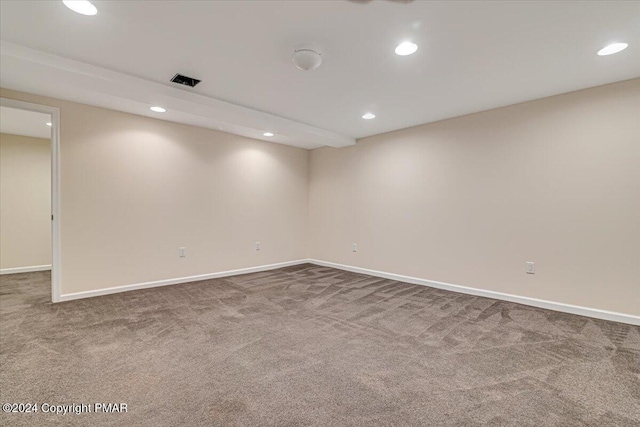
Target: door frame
(55, 185)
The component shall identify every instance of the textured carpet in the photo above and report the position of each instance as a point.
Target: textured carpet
(310, 345)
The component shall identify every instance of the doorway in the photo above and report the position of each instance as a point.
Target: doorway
(30, 217)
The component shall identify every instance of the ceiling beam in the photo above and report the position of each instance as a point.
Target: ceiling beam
(33, 71)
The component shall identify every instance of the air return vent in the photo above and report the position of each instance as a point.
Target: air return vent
(184, 80)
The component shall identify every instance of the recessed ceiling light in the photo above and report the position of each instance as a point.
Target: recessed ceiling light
(612, 48)
(267, 134)
(369, 116)
(48, 124)
(83, 7)
(157, 109)
(406, 48)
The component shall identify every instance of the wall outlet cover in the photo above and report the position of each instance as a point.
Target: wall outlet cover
(531, 267)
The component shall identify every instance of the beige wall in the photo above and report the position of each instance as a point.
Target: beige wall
(25, 201)
(469, 200)
(135, 189)
(465, 201)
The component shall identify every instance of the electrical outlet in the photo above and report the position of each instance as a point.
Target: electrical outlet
(257, 246)
(182, 252)
(354, 247)
(531, 267)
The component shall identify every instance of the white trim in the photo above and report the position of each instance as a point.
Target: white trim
(55, 185)
(549, 305)
(16, 270)
(154, 284)
(534, 302)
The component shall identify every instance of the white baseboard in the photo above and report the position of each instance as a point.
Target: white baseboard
(549, 305)
(30, 269)
(145, 285)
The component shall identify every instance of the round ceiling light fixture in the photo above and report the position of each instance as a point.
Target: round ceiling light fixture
(267, 134)
(82, 7)
(612, 48)
(306, 59)
(369, 116)
(406, 48)
(48, 123)
(157, 109)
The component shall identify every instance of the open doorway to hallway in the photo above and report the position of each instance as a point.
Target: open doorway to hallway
(25, 194)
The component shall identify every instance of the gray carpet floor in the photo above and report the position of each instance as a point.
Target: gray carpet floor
(310, 345)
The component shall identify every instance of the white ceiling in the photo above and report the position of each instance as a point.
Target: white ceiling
(472, 56)
(25, 123)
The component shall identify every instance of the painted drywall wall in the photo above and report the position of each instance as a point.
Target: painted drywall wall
(469, 200)
(25, 201)
(135, 189)
(465, 201)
